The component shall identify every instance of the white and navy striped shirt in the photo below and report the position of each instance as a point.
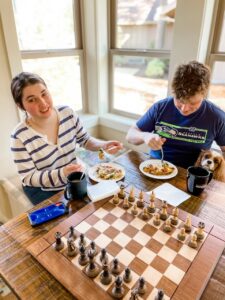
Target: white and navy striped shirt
(39, 162)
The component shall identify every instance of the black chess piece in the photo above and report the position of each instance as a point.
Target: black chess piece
(141, 286)
(118, 290)
(59, 245)
(103, 256)
(115, 268)
(82, 240)
(71, 249)
(105, 276)
(127, 275)
(72, 234)
(134, 295)
(160, 295)
(92, 269)
(93, 247)
(83, 259)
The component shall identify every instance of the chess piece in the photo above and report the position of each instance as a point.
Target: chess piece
(193, 241)
(156, 219)
(59, 245)
(140, 201)
(131, 197)
(103, 256)
(115, 267)
(160, 295)
(93, 247)
(118, 290)
(145, 216)
(82, 240)
(187, 224)
(182, 234)
(163, 212)
(121, 193)
(71, 248)
(151, 207)
(134, 295)
(174, 218)
(134, 210)
(92, 269)
(105, 276)
(116, 199)
(126, 204)
(72, 234)
(127, 277)
(83, 259)
(200, 231)
(167, 226)
(141, 286)
(101, 154)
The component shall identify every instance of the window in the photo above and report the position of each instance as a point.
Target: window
(49, 37)
(217, 59)
(141, 40)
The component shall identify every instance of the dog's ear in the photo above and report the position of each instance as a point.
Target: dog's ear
(219, 173)
(198, 161)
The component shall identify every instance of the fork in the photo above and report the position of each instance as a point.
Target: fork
(162, 156)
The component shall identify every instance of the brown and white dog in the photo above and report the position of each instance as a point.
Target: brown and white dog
(214, 162)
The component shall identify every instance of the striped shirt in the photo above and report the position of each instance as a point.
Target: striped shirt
(39, 162)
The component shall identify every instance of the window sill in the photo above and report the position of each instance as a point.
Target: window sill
(116, 122)
(89, 120)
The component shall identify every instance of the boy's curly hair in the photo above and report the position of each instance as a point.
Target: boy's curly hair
(190, 79)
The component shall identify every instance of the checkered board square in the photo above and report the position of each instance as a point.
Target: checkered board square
(158, 256)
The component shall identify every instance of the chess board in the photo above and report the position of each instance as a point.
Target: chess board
(164, 261)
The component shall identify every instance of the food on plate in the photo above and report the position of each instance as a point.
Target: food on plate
(101, 154)
(109, 172)
(159, 170)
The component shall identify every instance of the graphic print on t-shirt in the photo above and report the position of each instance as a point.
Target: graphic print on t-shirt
(187, 134)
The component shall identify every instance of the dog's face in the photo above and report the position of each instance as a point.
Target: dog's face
(211, 160)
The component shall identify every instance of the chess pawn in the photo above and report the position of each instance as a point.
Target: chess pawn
(83, 259)
(71, 249)
(115, 267)
(103, 256)
(105, 276)
(118, 290)
(72, 234)
(182, 234)
(187, 224)
(121, 193)
(174, 218)
(167, 226)
(145, 216)
(160, 295)
(127, 277)
(151, 207)
(116, 199)
(93, 247)
(140, 201)
(141, 286)
(200, 231)
(131, 197)
(82, 240)
(156, 219)
(126, 204)
(163, 212)
(193, 241)
(59, 245)
(134, 210)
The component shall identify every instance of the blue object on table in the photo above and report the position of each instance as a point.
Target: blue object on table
(47, 213)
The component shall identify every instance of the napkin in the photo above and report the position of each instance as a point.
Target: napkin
(102, 190)
(171, 194)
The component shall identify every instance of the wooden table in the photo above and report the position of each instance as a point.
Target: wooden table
(29, 280)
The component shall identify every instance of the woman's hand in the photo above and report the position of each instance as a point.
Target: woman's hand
(153, 140)
(112, 147)
(67, 170)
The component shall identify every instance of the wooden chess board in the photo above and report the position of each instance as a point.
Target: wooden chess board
(164, 261)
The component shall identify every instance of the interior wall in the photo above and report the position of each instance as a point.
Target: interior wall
(8, 111)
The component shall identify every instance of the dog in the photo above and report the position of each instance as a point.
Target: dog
(214, 162)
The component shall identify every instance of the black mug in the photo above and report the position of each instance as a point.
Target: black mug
(76, 187)
(197, 179)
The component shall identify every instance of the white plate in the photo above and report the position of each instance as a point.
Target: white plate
(94, 176)
(157, 162)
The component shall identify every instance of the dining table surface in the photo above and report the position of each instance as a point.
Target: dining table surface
(28, 279)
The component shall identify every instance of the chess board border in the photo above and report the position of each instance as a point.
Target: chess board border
(191, 286)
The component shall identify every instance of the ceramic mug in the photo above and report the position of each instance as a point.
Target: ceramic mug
(76, 187)
(197, 179)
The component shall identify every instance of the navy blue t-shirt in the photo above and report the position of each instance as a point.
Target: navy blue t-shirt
(185, 135)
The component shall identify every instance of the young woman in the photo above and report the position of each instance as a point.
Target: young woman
(43, 145)
(185, 123)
